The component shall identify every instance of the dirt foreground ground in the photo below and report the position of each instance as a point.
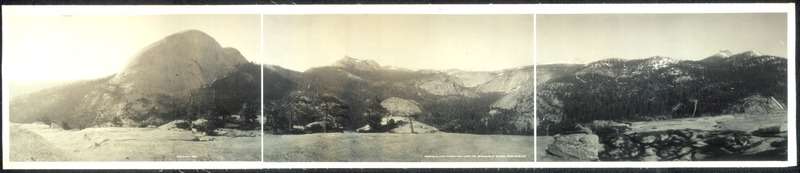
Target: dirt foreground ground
(39, 142)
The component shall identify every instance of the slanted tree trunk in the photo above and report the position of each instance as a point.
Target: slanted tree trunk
(411, 123)
(694, 110)
(780, 105)
(547, 130)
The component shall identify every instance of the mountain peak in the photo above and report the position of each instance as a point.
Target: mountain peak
(751, 53)
(179, 62)
(723, 53)
(359, 64)
(190, 33)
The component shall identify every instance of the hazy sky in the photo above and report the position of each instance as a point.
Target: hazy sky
(471, 42)
(586, 38)
(37, 48)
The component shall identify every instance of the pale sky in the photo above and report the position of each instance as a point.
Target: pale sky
(48, 48)
(582, 38)
(468, 42)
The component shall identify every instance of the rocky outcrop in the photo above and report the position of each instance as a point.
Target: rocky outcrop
(443, 85)
(575, 147)
(357, 64)
(688, 145)
(757, 104)
(401, 107)
(404, 125)
(509, 80)
(177, 125)
(472, 78)
(619, 142)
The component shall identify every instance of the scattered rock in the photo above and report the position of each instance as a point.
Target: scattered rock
(783, 143)
(177, 124)
(621, 147)
(649, 155)
(730, 142)
(364, 129)
(221, 131)
(770, 131)
(202, 138)
(200, 125)
(608, 127)
(321, 126)
(648, 139)
(236, 133)
(575, 147)
(386, 125)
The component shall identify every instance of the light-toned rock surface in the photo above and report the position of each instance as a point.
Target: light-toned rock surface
(401, 107)
(445, 86)
(178, 63)
(357, 64)
(405, 126)
(472, 78)
(575, 147)
(176, 125)
(508, 80)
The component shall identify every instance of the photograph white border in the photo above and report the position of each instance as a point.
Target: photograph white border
(787, 8)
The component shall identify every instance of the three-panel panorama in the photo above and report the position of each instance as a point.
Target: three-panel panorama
(397, 88)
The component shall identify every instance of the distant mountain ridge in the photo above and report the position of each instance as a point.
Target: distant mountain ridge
(662, 87)
(188, 75)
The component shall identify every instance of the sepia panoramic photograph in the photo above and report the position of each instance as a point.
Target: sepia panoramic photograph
(389, 88)
(511, 87)
(662, 87)
(133, 88)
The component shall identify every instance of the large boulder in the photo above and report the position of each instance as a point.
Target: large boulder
(575, 147)
(365, 129)
(200, 125)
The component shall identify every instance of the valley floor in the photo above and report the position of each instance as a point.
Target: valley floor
(38, 142)
(388, 147)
